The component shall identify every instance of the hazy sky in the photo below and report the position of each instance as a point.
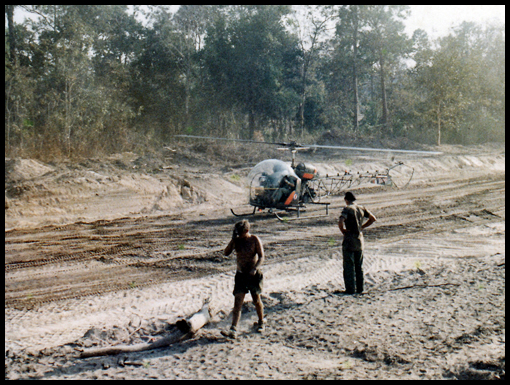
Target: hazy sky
(436, 20)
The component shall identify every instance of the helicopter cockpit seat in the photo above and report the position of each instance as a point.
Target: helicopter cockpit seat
(286, 188)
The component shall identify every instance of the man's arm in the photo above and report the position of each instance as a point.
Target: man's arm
(371, 219)
(260, 252)
(341, 225)
(229, 248)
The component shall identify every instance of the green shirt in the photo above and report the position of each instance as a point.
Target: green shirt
(353, 219)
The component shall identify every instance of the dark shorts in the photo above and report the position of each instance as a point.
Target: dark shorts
(245, 283)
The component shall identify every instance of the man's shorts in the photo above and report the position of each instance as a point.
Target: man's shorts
(245, 283)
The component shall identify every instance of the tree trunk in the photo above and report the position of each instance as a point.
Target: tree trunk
(112, 350)
(67, 116)
(302, 113)
(187, 97)
(355, 71)
(383, 93)
(8, 88)
(251, 125)
(12, 36)
(303, 95)
(439, 123)
(185, 329)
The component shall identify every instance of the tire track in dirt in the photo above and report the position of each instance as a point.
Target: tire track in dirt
(169, 301)
(176, 280)
(119, 250)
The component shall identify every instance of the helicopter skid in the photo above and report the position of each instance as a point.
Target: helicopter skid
(297, 209)
(244, 215)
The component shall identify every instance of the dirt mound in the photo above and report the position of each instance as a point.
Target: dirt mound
(124, 184)
(24, 169)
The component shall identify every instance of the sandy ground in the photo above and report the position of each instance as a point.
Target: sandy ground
(115, 251)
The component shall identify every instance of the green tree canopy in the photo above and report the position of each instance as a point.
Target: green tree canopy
(90, 79)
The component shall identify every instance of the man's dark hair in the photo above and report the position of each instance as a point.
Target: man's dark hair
(349, 196)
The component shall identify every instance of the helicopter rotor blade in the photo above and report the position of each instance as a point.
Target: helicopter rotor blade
(229, 139)
(287, 145)
(375, 149)
(296, 146)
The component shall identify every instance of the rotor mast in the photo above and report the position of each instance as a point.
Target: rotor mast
(293, 164)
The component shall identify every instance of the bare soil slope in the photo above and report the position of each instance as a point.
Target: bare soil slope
(115, 250)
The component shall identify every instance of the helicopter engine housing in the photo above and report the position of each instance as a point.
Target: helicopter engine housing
(306, 171)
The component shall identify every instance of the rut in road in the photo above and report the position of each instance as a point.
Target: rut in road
(165, 267)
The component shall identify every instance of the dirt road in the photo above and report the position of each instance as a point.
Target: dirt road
(153, 267)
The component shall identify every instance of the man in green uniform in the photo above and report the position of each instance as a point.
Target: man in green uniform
(351, 225)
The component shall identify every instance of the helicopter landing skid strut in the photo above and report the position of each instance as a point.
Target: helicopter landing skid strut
(243, 215)
(286, 219)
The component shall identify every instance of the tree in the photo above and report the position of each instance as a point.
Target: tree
(156, 80)
(71, 69)
(462, 85)
(312, 43)
(248, 56)
(9, 11)
(388, 43)
(190, 22)
(351, 18)
(367, 38)
(90, 79)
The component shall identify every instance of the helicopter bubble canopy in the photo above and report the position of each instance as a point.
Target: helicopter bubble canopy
(269, 173)
(273, 184)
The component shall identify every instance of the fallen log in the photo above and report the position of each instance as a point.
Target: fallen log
(196, 321)
(185, 329)
(112, 350)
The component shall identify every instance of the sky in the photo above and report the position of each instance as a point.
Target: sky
(436, 20)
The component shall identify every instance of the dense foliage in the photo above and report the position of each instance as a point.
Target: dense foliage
(93, 79)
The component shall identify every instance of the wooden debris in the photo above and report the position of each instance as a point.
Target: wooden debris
(185, 329)
(195, 322)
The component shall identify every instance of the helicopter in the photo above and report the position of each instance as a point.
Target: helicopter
(275, 185)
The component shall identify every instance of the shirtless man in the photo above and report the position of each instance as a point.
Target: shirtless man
(250, 256)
